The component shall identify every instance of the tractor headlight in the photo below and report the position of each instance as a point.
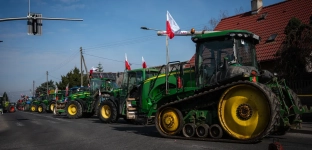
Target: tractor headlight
(245, 74)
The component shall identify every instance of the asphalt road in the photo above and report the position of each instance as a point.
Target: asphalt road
(25, 130)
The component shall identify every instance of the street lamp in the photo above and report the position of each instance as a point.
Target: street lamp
(1, 41)
(167, 54)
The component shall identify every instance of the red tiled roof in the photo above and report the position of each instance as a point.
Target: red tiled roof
(276, 20)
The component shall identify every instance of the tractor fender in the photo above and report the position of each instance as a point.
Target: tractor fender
(81, 102)
(114, 100)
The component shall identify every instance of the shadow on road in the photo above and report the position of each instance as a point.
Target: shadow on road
(138, 129)
(301, 131)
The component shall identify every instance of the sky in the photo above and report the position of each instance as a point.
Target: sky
(109, 30)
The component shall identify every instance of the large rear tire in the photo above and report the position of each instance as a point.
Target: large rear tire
(73, 109)
(107, 112)
(248, 111)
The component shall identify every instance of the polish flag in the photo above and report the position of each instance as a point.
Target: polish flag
(171, 26)
(143, 63)
(127, 63)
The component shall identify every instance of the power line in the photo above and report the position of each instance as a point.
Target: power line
(111, 59)
(54, 77)
(65, 62)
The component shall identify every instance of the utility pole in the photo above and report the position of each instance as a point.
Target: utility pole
(81, 66)
(34, 88)
(47, 84)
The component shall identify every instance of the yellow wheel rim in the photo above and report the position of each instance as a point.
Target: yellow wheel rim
(33, 108)
(52, 106)
(72, 109)
(244, 111)
(39, 109)
(169, 121)
(105, 111)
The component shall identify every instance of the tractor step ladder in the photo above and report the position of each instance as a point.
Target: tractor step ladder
(131, 111)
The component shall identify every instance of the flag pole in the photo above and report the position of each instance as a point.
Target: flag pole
(167, 63)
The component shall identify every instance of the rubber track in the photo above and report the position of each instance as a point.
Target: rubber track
(274, 102)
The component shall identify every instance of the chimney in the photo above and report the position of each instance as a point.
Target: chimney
(255, 6)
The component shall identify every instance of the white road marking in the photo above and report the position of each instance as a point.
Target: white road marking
(36, 122)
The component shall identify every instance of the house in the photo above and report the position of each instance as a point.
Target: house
(269, 23)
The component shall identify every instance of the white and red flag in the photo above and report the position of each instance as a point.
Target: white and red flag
(127, 63)
(171, 26)
(143, 63)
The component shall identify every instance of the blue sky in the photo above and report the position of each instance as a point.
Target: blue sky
(109, 30)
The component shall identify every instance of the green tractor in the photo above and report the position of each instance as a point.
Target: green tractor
(63, 98)
(85, 101)
(34, 104)
(224, 97)
(46, 103)
(114, 107)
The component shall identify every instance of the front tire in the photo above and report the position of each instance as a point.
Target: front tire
(42, 108)
(107, 112)
(73, 110)
(169, 121)
(33, 108)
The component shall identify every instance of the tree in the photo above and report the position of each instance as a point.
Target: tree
(73, 78)
(213, 22)
(5, 97)
(100, 67)
(42, 89)
(295, 54)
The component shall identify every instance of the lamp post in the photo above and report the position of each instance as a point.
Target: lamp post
(167, 55)
(1, 41)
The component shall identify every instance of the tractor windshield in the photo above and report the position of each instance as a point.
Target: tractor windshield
(135, 77)
(245, 52)
(95, 85)
(211, 53)
(149, 74)
(238, 51)
(113, 84)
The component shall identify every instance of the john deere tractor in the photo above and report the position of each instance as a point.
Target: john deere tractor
(224, 97)
(63, 98)
(86, 100)
(46, 103)
(114, 107)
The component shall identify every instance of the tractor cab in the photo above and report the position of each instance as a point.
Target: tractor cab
(134, 78)
(225, 55)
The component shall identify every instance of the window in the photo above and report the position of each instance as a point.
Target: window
(272, 37)
(262, 16)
